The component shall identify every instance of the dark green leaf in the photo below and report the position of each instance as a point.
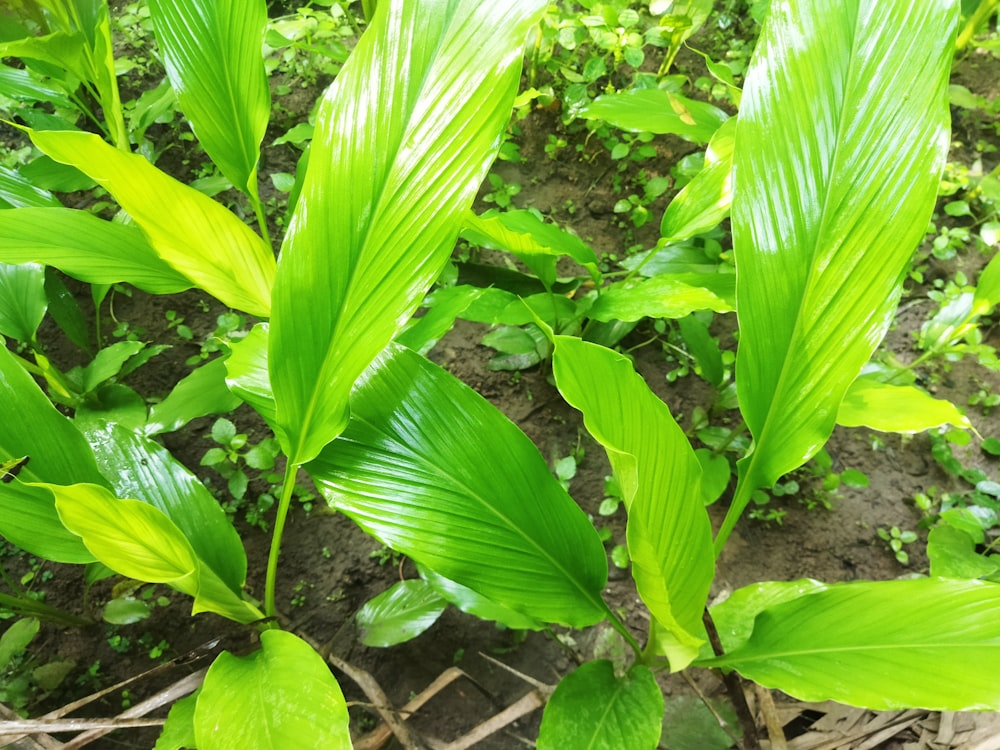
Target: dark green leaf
(592, 708)
(432, 470)
(399, 614)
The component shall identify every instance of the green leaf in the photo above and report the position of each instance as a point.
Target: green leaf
(988, 287)
(715, 476)
(526, 236)
(444, 305)
(952, 554)
(199, 238)
(895, 408)
(477, 605)
(705, 349)
(705, 201)
(66, 311)
(125, 611)
(57, 453)
(657, 111)
(667, 296)
(247, 375)
(16, 638)
(107, 364)
(280, 697)
(86, 248)
(178, 731)
(592, 708)
(212, 53)
(382, 204)
(22, 300)
(824, 223)
(669, 534)
(16, 191)
(399, 614)
(199, 394)
(432, 470)
(131, 537)
(137, 540)
(143, 470)
(927, 643)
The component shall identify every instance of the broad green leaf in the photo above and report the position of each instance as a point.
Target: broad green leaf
(988, 287)
(443, 306)
(399, 614)
(404, 138)
(28, 86)
(929, 643)
(212, 51)
(432, 470)
(56, 452)
(705, 349)
(247, 375)
(673, 296)
(198, 394)
(178, 731)
(657, 111)
(16, 638)
(705, 201)
(824, 223)
(669, 534)
(478, 605)
(106, 365)
(143, 470)
(734, 617)
(18, 192)
(895, 408)
(87, 248)
(526, 236)
(22, 300)
(199, 238)
(125, 611)
(952, 554)
(66, 311)
(592, 708)
(282, 696)
(137, 540)
(131, 537)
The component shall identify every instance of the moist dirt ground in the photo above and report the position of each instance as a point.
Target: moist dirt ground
(329, 568)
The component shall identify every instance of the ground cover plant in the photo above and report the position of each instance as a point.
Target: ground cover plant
(827, 161)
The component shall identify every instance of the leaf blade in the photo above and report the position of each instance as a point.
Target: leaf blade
(823, 243)
(445, 77)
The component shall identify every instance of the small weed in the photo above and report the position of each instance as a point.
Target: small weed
(896, 539)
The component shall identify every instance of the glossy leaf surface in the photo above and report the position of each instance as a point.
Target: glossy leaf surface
(706, 200)
(657, 111)
(404, 137)
(399, 614)
(199, 238)
(143, 470)
(137, 540)
(87, 248)
(669, 534)
(212, 53)
(22, 300)
(825, 220)
(56, 452)
(432, 470)
(924, 643)
(592, 708)
(895, 408)
(198, 394)
(279, 697)
(478, 605)
(668, 296)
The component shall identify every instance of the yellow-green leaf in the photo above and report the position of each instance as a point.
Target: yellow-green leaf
(403, 139)
(199, 238)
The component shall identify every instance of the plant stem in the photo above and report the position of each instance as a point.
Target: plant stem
(734, 687)
(23, 605)
(979, 16)
(744, 490)
(287, 490)
(618, 625)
